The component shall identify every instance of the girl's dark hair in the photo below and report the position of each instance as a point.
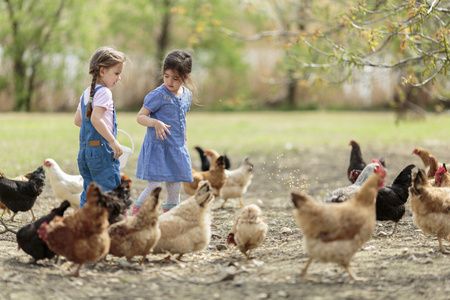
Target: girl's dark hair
(103, 57)
(180, 61)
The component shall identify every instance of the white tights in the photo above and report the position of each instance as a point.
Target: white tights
(173, 192)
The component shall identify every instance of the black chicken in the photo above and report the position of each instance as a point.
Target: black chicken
(391, 199)
(356, 160)
(203, 159)
(118, 201)
(21, 195)
(28, 238)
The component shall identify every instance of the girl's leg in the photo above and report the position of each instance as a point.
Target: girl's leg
(173, 195)
(145, 193)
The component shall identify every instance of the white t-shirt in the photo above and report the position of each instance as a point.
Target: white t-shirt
(102, 98)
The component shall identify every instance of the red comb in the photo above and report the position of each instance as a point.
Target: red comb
(440, 170)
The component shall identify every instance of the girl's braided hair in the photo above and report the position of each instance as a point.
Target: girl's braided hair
(103, 57)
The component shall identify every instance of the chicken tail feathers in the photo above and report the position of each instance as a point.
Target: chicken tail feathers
(230, 239)
(299, 199)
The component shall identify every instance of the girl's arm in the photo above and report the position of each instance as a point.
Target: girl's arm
(77, 119)
(102, 128)
(144, 119)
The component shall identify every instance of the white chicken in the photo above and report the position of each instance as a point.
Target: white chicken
(64, 186)
(238, 181)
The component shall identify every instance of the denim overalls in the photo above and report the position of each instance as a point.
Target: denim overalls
(96, 158)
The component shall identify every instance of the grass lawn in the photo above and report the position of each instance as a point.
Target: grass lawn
(27, 139)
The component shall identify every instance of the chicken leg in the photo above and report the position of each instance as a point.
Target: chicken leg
(353, 276)
(305, 269)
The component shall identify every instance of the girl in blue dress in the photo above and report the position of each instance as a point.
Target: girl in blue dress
(164, 156)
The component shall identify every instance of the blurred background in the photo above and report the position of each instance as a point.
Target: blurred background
(248, 54)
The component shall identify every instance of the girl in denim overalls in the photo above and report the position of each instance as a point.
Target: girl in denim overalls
(99, 149)
(164, 156)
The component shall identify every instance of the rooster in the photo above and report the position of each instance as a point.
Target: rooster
(249, 230)
(237, 182)
(391, 199)
(333, 232)
(216, 177)
(203, 159)
(83, 235)
(344, 193)
(213, 156)
(64, 186)
(431, 207)
(19, 195)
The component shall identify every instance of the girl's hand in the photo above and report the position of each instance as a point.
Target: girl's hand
(118, 151)
(161, 130)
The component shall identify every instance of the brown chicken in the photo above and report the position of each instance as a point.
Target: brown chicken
(333, 232)
(423, 155)
(431, 207)
(83, 235)
(139, 234)
(442, 177)
(249, 230)
(216, 177)
(186, 228)
(433, 166)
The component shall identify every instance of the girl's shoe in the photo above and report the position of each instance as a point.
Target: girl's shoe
(135, 209)
(168, 206)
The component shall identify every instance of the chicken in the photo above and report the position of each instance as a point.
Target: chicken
(344, 193)
(356, 160)
(431, 207)
(186, 228)
(24, 177)
(216, 177)
(64, 186)
(433, 167)
(442, 177)
(83, 235)
(139, 234)
(237, 182)
(28, 238)
(203, 159)
(19, 195)
(249, 230)
(391, 199)
(118, 200)
(333, 232)
(214, 155)
(423, 155)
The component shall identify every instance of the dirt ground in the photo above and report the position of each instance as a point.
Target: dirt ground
(406, 266)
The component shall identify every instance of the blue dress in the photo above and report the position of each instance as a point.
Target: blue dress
(166, 160)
